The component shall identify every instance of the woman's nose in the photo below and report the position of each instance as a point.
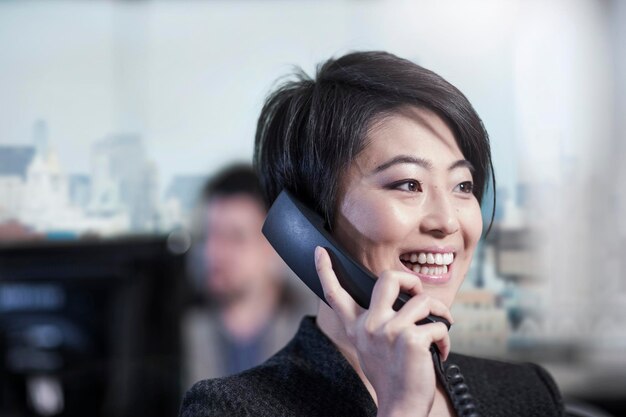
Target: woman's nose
(440, 216)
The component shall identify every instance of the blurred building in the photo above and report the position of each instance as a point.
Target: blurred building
(47, 189)
(33, 185)
(180, 200)
(80, 190)
(124, 181)
(14, 162)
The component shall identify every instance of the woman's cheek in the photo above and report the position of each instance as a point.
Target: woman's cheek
(380, 223)
(473, 224)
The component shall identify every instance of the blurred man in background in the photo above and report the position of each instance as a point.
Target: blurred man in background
(252, 311)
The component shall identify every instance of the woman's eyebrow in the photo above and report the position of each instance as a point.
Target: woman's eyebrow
(405, 159)
(424, 163)
(462, 163)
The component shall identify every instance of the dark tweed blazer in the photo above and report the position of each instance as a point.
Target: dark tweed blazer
(309, 377)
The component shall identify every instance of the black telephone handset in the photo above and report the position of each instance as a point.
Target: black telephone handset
(294, 230)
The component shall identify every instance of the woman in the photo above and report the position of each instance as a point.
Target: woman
(396, 160)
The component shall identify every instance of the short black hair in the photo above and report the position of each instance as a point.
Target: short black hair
(310, 130)
(233, 180)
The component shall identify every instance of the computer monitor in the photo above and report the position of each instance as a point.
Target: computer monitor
(90, 328)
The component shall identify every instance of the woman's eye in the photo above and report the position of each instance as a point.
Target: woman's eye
(411, 185)
(466, 187)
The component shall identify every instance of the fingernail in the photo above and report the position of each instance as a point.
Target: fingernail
(318, 253)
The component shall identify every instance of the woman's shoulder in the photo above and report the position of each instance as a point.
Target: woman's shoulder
(517, 388)
(270, 390)
(240, 394)
(302, 379)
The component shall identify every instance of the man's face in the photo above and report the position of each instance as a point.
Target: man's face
(237, 256)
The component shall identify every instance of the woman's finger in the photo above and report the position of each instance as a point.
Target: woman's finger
(422, 337)
(388, 287)
(336, 296)
(420, 306)
(441, 338)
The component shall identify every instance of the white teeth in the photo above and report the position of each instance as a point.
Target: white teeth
(437, 270)
(423, 258)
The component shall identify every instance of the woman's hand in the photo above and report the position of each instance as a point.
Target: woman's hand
(393, 352)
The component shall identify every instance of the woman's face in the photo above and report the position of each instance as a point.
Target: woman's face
(406, 203)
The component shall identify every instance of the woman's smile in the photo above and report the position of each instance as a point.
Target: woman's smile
(431, 265)
(406, 203)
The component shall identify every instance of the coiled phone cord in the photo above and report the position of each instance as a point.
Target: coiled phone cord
(455, 385)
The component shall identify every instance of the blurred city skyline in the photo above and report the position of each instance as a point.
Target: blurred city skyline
(190, 77)
(118, 195)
